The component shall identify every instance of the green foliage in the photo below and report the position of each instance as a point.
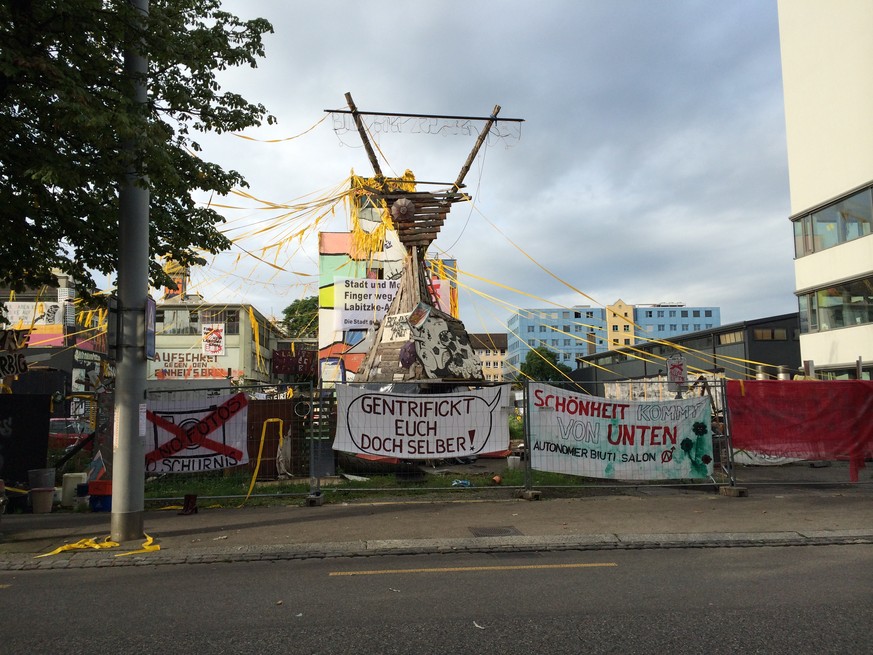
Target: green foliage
(516, 427)
(67, 113)
(301, 318)
(541, 365)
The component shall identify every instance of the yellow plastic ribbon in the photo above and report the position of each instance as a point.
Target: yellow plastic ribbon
(82, 544)
(260, 452)
(148, 546)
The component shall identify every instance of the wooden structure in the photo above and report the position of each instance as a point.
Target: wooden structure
(416, 341)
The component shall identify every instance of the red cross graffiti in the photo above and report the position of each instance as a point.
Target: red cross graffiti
(198, 435)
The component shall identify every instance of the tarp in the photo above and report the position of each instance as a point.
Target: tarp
(805, 419)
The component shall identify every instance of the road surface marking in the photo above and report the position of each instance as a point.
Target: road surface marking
(464, 569)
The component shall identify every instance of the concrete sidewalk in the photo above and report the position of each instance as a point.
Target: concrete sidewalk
(632, 518)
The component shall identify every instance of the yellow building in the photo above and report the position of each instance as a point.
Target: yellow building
(620, 324)
(490, 348)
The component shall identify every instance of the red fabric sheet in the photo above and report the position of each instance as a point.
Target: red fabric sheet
(809, 419)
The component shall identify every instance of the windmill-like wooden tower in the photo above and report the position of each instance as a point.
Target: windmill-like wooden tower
(416, 341)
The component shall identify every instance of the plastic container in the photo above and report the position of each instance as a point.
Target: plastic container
(41, 478)
(42, 499)
(513, 462)
(70, 488)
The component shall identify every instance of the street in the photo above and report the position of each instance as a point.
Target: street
(696, 600)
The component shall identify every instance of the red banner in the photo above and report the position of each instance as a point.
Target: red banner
(807, 419)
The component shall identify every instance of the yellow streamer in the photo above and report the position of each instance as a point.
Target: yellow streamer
(82, 544)
(148, 546)
(260, 452)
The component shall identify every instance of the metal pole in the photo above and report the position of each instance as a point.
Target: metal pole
(528, 476)
(128, 445)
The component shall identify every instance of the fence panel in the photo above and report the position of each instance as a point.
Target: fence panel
(638, 432)
(809, 432)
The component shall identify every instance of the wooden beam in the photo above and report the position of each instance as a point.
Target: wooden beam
(482, 135)
(360, 124)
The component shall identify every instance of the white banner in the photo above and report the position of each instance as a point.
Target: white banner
(213, 338)
(191, 437)
(360, 302)
(22, 315)
(433, 426)
(618, 439)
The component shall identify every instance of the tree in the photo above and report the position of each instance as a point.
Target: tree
(66, 110)
(541, 365)
(301, 318)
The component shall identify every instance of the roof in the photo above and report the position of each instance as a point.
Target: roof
(488, 341)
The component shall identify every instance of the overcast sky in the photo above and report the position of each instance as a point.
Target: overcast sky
(651, 164)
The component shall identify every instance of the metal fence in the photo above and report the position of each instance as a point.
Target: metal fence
(291, 430)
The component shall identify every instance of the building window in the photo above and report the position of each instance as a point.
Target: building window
(661, 327)
(627, 342)
(672, 327)
(684, 313)
(660, 313)
(627, 328)
(672, 313)
(615, 328)
(230, 318)
(770, 334)
(696, 326)
(649, 313)
(842, 305)
(707, 313)
(589, 314)
(846, 220)
(542, 328)
(531, 328)
(730, 337)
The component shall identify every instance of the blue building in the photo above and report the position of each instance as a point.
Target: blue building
(582, 330)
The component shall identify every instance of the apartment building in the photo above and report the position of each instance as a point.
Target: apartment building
(490, 348)
(826, 54)
(582, 330)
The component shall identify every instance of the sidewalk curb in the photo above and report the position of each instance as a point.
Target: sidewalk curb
(377, 548)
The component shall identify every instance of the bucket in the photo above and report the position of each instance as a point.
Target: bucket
(41, 478)
(512, 462)
(41, 499)
(69, 488)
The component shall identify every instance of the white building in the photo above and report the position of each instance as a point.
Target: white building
(198, 342)
(827, 70)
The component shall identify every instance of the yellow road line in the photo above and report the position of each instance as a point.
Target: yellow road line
(464, 569)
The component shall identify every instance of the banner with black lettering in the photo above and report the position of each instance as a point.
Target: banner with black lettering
(196, 436)
(410, 426)
(619, 439)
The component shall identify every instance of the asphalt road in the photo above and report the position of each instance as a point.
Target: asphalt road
(727, 600)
